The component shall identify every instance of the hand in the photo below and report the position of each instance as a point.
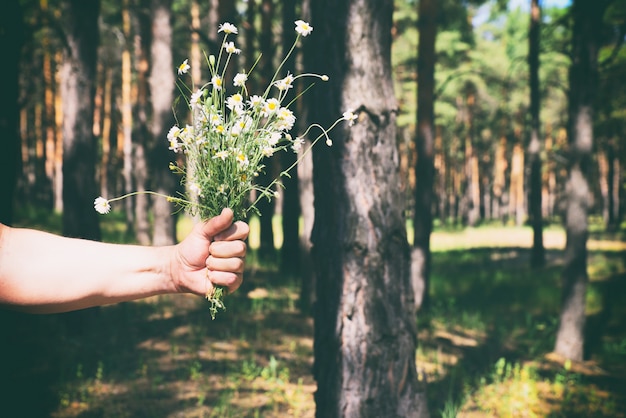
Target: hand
(212, 255)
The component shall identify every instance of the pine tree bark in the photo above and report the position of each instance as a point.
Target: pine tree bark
(537, 258)
(135, 160)
(162, 84)
(290, 250)
(472, 196)
(79, 144)
(583, 77)
(50, 92)
(613, 185)
(365, 328)
(616, 188)
(11, 39)
(105, 133)
(126, 137)
(267, 207)
(500, 165)
(425, 146)
(58, 147)
(516, 188)
(307, 210)
(307, 269)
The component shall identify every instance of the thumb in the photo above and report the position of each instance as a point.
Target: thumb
(217, 224)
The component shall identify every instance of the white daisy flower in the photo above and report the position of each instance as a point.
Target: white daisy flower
(285, 83)
(227, 28)
(173, 133)
(194, 100)
(242, 160)
(271, 106)
(221, 154)
(274, 138)
(101, 205)
(231, 49)
(350, 117)
(256, 102)
(303, 28)
(183, 67)
(236, 100)
(267, 151)
(240, 80)
(297, 144)
(216, 81)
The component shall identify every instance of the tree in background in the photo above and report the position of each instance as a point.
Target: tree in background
(290, 251)
(266, 68)
(609, 121)
(425, 148)
(79, 145)
(162, 84)
(11, 40)
(135, 169)
(534, 146)
(583, 81)
(365, 316)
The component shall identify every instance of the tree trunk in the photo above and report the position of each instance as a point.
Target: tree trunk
(58, 147)
(50, 92)
(307, 210)
(472, 192)
(516, 188)
(424, 144)
(162, 84)
(267, 207)
(499, 178)
(135, 159)
(603, 183)
(441, 168)
(365, 329)
(537, 258)
(612, 183)
(290, 251)
(307, 269)
(11, 31)
(79, 145)
(617, 188)
(107, 107)
(549, 178)
(126, 137)
(583, 80)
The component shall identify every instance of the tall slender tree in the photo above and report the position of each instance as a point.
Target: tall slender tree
(162, 82)
(138, 175)
(267, 207)
(79, 143)
(425, 147)
(534, 145)
(583, 79)
(11, 40)
(290, 251)
(365, 328)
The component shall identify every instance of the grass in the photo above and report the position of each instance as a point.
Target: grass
(484, 347)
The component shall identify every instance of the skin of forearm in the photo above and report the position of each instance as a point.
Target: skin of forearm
(46, 273)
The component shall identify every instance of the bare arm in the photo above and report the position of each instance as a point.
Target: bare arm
(45, 273)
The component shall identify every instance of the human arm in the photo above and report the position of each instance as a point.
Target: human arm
(46, 273)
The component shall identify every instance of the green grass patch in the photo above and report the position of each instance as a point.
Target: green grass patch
(484, 346)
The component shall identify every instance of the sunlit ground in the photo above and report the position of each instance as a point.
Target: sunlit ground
(484, 347)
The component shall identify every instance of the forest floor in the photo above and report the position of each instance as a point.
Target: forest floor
(484, 346)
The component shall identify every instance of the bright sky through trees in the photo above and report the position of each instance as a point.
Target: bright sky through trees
(482, 13)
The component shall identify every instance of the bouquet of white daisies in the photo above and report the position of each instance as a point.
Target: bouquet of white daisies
(230, 135)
